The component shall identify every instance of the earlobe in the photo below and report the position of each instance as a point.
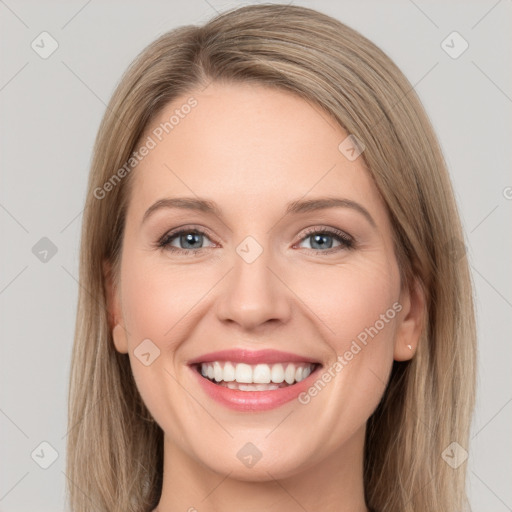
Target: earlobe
(411, 322)
(119, 337)
(110, 295)
(114, 311)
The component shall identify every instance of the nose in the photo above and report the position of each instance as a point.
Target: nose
(254, 295)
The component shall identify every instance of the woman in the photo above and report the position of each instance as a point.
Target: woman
(314, 347)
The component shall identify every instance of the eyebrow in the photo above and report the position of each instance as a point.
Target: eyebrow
(294, 207)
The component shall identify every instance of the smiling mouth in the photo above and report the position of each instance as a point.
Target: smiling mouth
(255, 377)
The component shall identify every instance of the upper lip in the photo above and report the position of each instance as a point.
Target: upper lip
(252, 357)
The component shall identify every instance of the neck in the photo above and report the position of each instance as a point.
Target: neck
(334, 484)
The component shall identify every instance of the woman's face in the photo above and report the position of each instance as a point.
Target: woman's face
(288, 287)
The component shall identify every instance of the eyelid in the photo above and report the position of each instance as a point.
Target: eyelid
(328, 229)
(185, 228)
(347, 241)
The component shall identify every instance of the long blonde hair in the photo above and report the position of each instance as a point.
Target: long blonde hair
(114, 448)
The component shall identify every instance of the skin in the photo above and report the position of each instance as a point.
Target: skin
(251, 150)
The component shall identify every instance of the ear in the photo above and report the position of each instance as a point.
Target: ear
(115, 319)
(411, 321)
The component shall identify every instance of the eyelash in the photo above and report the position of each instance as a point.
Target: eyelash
(346, 241)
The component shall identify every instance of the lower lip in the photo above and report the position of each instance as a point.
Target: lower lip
(254, 400)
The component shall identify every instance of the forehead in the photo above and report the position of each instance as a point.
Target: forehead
(250, 146)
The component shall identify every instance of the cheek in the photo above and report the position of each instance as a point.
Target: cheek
(156, 301)
(358, 305)
(361, 311)
(351, 299)
(155, 308)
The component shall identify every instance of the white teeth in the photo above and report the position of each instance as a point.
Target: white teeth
(261, 374)
(277, 373)
(243, 373)
(229, 372)
(250, 387)
(217, 371)
(258, 377)
(289, 374)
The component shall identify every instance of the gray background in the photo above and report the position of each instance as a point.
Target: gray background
(50, 110)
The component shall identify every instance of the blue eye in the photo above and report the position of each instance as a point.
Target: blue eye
(191, 241)
(187, 238)
(318, 237)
